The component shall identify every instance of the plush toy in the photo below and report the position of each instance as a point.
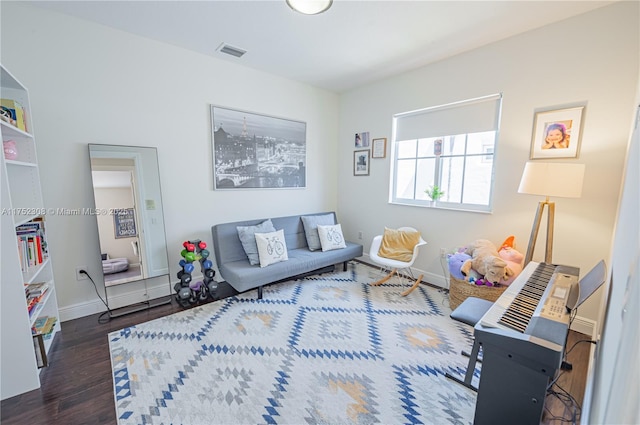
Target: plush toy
(510, 242)
(10, 149)
(486, 261)
(455, 263)
(482, 282)
(514, 262)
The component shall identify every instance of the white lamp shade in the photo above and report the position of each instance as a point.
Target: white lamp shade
(310, 7)
(552, 179)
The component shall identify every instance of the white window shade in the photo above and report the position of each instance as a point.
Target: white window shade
(470, 116)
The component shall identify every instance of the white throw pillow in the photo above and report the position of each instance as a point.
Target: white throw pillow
(272, 247)
(331, 237)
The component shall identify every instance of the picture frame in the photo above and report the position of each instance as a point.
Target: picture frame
(379, 148)
(361, 162)
(257, 151)
(557, 133)
(124, 223)
(362, 140)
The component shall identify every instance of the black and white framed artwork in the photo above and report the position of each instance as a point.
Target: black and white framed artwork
(255, 151)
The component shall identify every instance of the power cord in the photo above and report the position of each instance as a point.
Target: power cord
(444, 290)
(100, 318)
(570, 403)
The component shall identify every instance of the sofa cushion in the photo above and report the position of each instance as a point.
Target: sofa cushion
(248, 239)
(272, 247)
(242, 276)
(331, 237)
(310, 223)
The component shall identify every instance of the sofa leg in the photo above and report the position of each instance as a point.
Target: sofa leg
(345, 266)
(259, 292)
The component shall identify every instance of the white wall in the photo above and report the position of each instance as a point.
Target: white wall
(591, 59)
(114, 197)
(92, 84)
(613, 377)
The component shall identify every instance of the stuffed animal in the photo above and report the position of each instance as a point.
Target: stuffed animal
(10, 149)
(508, 243)
(455, 263)
(514, 262)
(486, 261)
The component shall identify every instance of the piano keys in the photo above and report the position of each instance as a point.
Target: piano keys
(523, 337)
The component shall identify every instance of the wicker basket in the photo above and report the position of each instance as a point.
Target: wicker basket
(460, 290)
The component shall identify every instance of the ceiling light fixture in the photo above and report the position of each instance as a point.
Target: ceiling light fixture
(310, 7)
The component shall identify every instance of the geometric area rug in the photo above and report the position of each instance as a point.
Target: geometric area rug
(324, 349)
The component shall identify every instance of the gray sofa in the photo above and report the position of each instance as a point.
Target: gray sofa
(233, 263)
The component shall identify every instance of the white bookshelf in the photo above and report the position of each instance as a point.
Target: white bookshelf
(21, 202)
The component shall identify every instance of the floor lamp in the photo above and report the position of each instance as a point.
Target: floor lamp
(549, 179)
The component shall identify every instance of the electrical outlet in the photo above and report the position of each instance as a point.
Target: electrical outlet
(81, 276)
(443, 252)
(360, 235)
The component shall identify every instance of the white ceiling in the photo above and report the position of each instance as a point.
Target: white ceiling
(352, 44)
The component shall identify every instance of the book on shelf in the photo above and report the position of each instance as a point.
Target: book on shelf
(32, 303)
(34, 290)
(17, 111)
(41, 353)
(44, 326)
(32, 245)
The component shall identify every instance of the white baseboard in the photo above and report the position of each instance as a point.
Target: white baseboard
(584, 326)
(79, 310)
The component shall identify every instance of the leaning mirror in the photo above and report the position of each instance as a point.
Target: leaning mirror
(130, 221)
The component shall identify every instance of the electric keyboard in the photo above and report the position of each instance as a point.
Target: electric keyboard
(535, 303)
(523, 337)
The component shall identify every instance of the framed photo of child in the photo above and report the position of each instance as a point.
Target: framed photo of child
(556, 133)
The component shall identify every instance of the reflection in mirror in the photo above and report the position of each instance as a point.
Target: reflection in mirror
(128, 201)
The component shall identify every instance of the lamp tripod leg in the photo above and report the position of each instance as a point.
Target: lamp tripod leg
(548, 253)
(534, 233)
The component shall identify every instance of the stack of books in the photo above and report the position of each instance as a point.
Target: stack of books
(35, 290)
(43, 326)
(32, 244)
(34, 293)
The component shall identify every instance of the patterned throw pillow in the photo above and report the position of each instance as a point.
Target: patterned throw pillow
(331, 237)
(310, 223)
(246, 235)
(272, 247)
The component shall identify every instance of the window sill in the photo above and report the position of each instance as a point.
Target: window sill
(440, 207)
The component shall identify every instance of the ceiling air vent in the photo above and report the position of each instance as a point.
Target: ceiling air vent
(231, 50)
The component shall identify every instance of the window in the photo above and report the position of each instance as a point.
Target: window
(450, 146)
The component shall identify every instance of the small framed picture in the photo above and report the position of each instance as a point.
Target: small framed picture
(379, 148)
(361, 163)
(556, 134)
(362, 140)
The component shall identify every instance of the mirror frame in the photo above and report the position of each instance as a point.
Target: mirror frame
(144, 235)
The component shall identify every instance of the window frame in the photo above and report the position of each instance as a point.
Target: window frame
(438, 165)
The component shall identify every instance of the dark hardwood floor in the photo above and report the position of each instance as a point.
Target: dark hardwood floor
(77, 387)
(570, 386)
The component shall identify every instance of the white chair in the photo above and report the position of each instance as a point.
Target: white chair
(396, 267)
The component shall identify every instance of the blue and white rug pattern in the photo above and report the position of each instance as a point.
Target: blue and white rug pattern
(326, 349)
